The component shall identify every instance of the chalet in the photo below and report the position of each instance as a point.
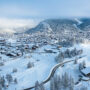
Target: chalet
(3, 52)
(58, 47)
(11, 54)
(34, 47)
(45, 42)
(48, 51)
(86, 71)
(26, 47)
(2, 41)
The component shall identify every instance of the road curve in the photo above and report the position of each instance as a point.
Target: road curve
(85, 80)
(51, 73)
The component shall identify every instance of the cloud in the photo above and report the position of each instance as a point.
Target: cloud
(17, 25)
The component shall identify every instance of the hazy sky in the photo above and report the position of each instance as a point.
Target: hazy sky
(44, 8)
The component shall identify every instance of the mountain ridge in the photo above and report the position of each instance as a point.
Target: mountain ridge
(61, 25)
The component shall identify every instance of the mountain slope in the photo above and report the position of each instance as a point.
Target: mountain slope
(55, 25)
(61, 25)
(85, 25)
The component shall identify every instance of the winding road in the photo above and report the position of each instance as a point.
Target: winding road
(53, 71)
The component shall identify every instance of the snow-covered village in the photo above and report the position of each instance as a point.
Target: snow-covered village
(44, 49)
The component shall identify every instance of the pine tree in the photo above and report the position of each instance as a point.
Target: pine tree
(15, 81)
(84, 64)
(52, 86)
(9, 78)
(42, 87)
(65, 80)
(60, 57)
(30, 65)
(39, 86)
(83, 88)
(71, 87)
(75, 62)
(2, 81)
(0, 87)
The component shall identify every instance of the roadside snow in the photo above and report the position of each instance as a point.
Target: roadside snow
(43, 63)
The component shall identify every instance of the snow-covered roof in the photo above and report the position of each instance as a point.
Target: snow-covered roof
(86, 70)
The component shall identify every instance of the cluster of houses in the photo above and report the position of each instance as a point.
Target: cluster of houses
(15, 49)
(26, 42)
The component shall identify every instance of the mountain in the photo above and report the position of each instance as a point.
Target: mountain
(58, 25)
(85, 25)
(55, 25)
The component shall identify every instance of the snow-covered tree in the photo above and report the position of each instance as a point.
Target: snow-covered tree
(65, 80)
(9, 78)
(57, 83)
(15, 81)
(0, 87)
(39, 86)
(76, 61)
(2, 81)
(82, 65)
(83, 88)
(14, 70)
(60, 57)
(30, 65)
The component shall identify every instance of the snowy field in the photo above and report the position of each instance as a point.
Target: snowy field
(43, 63)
